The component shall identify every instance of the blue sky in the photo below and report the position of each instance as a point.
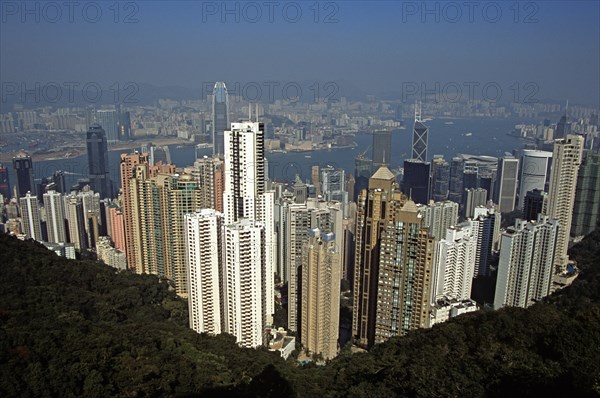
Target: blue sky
(377, 46)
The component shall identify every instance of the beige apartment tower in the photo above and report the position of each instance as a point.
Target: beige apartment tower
(561, 195)
(321, 273)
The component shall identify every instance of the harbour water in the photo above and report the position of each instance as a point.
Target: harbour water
(478, 136)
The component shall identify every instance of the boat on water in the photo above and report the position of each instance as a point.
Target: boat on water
(308, 156)
(448, 123)
(468, 134)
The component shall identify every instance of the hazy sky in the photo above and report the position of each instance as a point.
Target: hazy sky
(377, 46)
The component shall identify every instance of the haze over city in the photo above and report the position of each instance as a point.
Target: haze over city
(373, 47)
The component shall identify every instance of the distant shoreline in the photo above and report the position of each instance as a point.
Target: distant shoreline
(75, 152)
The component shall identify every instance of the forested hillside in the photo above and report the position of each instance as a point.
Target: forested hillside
(73, 328)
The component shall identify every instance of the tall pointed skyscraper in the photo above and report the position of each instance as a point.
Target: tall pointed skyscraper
(97, 150)
(220, 117)
(419, 138)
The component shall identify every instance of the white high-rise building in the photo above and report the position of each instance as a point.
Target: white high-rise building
(203, 231)
(30, 216)
(244, 294)
(232, 256)
(526, 262)
(244, 170)
(438, 217)
(566, 159)
(454, 264)
(534, 170)
(75, 220)
(487, 223)
(245, 195)
(55, 217)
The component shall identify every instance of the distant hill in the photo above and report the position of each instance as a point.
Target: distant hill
(80, 328)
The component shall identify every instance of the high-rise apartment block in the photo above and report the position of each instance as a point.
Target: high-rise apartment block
(393, 263)
(526, 262)
(586, 210)
(30, 216)
(321, 274)
(55, 217)
(566, 159)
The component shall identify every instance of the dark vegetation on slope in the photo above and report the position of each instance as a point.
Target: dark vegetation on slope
(73, 328)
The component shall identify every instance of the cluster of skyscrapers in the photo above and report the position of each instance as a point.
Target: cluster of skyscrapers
(238, 246)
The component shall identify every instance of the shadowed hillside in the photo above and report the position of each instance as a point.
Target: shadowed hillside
(72, 328)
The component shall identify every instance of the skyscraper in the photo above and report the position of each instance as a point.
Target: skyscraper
(299, 220)
(362, 172)
(220, 117)
(374, 208)
(127, 166)
(124, 125)
(55, 217)
(438, 217)
(566, 159)
(506, 184)
(454, 264)
(382, 148)
(203, 230)
(98, 167)
(75, 221)
(117, 228)
(535, 203)
(209, 174)
(586, 211)
(534, 171)
(405, 275)
(315, 174)
(244, 170)
(419, 137)
(244, 292)
(4, 182)
(30, 216)
(563, 127)
(23, 172)
(321, 274)
(109, 121)
(487, 223)
(245, 195)
(474, 197)
(416, 182)
(526, 262)
(333, 185)
(393, 264)
(440, 172)
(455, 186)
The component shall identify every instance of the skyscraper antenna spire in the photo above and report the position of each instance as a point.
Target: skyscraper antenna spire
(417, 111)
(249, 111)
(256, 111)
(566, 108)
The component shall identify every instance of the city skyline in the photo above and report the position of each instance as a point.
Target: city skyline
(312, 179)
